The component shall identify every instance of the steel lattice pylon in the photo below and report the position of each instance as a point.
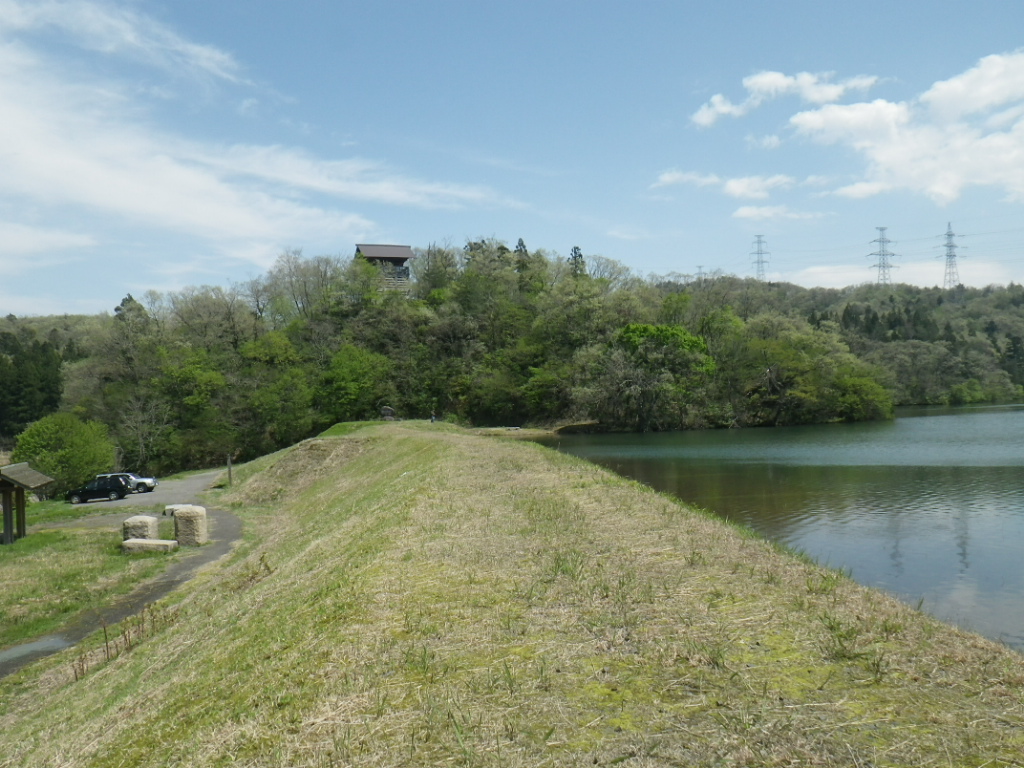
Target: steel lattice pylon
(952, 279)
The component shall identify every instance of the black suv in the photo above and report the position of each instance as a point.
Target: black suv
(101, 488)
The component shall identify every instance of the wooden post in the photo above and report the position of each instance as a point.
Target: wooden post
(19, 510)
(229, 470)
(8, 534)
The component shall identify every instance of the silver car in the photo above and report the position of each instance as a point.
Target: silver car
(136, 483)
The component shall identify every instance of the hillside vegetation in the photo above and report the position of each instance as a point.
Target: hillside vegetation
(416, 594)
(492, 336)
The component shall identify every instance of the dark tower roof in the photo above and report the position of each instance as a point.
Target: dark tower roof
(394, 254)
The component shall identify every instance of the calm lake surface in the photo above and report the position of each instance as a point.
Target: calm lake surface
(929, 507)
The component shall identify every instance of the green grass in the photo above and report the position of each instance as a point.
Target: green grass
(346, 428)
(51, 576)
(42, 513)
(414, 595)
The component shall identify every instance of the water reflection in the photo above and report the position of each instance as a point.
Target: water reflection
(929, 507)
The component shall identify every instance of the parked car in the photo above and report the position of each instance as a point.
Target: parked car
(136, 484)
(112, 487)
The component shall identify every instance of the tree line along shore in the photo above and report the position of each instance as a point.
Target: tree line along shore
(412, 593)
(486, 335)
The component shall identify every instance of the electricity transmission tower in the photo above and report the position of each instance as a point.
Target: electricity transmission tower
(760, 257)
(884, 256)
(952, 276)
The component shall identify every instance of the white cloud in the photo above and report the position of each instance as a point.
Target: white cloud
(718, 106)
(815, 180)
(863, 189)
(833, 275)
(765, 212)
(671, 178)
(110, 29)
(86, 147)
(856, 124)
(627, 234)
(965, 131)
(18, 239)
(353, 178)
(765, 142)
(749, 187)
(814, 88)
(995, 81)
(756, 187)
(25, 249)
(920, 272)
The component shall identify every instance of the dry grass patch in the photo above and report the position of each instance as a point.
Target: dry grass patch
(418, 595)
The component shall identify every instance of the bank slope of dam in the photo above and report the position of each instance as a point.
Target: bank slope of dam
(416, 594)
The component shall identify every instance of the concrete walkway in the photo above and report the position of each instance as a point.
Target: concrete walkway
(225, 531)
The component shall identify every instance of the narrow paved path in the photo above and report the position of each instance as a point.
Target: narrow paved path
(225, 531)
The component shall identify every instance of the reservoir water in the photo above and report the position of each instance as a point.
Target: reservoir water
(928, 507)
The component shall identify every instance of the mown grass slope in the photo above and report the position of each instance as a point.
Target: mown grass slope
(414, 594)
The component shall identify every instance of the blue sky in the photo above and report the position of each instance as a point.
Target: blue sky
(157, 144)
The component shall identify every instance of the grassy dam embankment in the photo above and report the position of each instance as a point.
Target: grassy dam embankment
(417, 594)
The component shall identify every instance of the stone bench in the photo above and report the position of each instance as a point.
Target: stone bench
(134, 546)
(139, 527)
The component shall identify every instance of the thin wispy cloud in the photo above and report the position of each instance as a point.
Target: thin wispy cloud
(771, 141)
(671, 178)
(756, 187)
(88, 145)
(20, 240)
(354, 178)
(743, 187)
(769, 212)
(117, 30)
(632, 235)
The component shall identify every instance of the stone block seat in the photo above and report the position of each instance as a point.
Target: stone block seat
(134, 546)
(190, 527)
(139, 527)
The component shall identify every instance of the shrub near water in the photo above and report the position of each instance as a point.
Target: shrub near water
(418, 595)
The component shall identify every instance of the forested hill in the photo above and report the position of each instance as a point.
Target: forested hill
(498, 336)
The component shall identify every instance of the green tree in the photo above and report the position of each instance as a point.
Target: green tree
(355, 386)
(434, 271)
(577, 264)
(32, 381)
(804, 375)
(204, 409)
(644, 378)
(275, 394)
(69, 450)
